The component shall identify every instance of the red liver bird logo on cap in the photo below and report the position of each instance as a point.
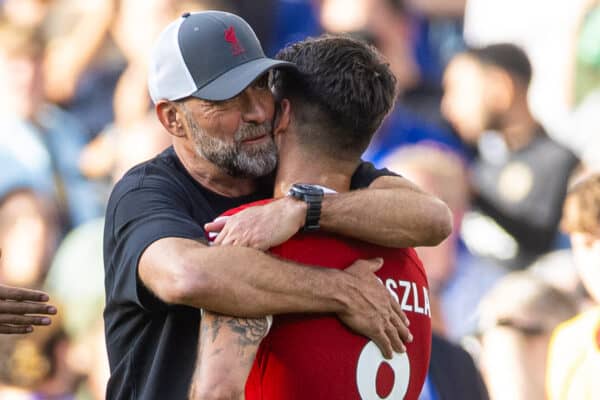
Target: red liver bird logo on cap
(231, 38)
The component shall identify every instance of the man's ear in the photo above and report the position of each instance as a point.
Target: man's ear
(171, 118)
(283, 117)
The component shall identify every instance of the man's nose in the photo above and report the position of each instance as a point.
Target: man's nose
(255, 107)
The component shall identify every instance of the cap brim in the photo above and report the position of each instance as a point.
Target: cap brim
(234, 81)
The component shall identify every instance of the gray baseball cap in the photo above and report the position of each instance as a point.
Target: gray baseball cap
(211, 55)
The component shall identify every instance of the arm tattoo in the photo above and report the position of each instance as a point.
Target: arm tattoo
(250, 331)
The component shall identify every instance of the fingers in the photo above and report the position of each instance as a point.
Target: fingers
(22, 308)
(216, 226)
(398, 312)
(26, 320)
(395, 340)
(382, 341)
(15, 330)
(375, 264)
(360, 267)
(19, 294)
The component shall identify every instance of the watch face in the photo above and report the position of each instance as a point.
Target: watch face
(305, 188)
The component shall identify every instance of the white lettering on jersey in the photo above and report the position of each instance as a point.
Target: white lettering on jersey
(427, 306)
(369, 361)
(404, 305)
(416, 299)
(390, 284)
(410, 294)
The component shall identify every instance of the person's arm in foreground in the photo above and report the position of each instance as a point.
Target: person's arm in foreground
(21, 309)
(392, 212)
(244, 282)
(228, 345)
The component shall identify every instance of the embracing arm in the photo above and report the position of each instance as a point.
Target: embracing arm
(392, 212)
(245, 282)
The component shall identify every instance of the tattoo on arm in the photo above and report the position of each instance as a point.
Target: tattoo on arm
(226, 351)
(249, 331)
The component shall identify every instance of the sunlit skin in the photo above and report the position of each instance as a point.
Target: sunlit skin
(245, 117)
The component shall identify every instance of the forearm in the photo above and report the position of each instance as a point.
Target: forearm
(240, 281)
(227, 347)
(249, 283)
(244, 282)
(386, 215)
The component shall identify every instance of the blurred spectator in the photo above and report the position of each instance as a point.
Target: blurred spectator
(134, 32)
(438, 35)
(519, 179)
(81, 63)
(388, 25)
(35, 366)
(43, 139)
(545, 30)
(516, 321)
(81, 292)
(28, 235)
(26, 13)
(574, 356)
(586, 74)
(579, 123)
(89, 359)
(117, 150)
(457, 279)
(557, 268)
(452, 374)
(278, 23)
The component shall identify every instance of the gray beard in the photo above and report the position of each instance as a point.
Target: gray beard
(254, 161)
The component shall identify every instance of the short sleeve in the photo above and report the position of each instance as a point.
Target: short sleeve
(141, 217)
(366, 173)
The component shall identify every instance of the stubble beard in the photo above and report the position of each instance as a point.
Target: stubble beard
(237, 160)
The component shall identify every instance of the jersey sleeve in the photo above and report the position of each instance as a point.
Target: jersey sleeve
(366, 173)
(141, 217)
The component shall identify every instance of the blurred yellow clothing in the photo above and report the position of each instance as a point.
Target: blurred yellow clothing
(574, 359)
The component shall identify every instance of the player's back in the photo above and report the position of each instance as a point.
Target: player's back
(314, 356)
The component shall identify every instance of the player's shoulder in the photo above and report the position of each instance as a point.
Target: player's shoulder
(406, 256)
(236, 210)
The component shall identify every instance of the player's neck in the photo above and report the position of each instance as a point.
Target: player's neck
(297, 167)
(212, 177)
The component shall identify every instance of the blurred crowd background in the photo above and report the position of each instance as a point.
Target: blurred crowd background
(497, 115)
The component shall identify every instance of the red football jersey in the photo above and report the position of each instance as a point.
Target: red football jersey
(315, 356)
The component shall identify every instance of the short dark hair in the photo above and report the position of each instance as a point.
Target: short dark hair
(343, 88)
(507, 56)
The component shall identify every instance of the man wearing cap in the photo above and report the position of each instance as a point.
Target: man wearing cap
(207, 79)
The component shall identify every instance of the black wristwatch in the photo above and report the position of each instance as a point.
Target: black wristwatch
(313, 197)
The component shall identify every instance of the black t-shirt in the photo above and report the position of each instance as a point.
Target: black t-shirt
(151, 344)
(524, 194)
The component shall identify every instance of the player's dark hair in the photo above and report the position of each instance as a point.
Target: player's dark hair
(509, 57)
(341, 94)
